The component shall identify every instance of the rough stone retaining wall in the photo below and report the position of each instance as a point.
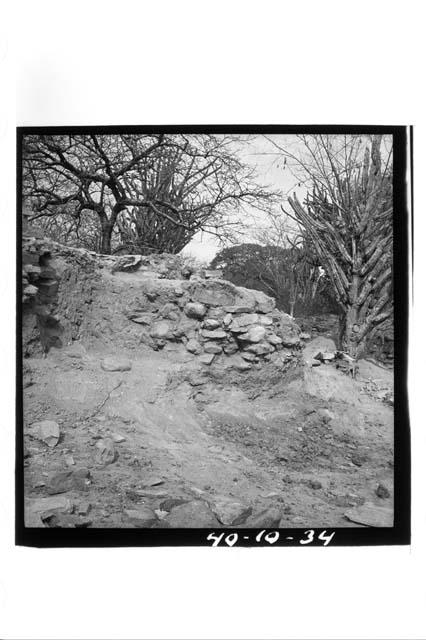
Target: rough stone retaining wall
(72, 294)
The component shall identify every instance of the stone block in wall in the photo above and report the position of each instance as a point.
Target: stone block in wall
(212, 347)
(161, 330)
(195, 310)
(215, 293)
(210, 324)
(186, 327)
(254, 334)
(216, 334)
(242, 321)
(260, 348)
(193, 346)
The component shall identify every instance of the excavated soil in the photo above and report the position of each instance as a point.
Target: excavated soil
(313, 445)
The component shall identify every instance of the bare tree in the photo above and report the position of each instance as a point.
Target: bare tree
(292, 264)
(148, 192)
(286, 272)
(347, 217)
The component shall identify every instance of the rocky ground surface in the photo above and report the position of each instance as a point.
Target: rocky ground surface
(148, 447)
(170, 400)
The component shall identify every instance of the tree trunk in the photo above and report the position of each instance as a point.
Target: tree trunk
(106, 238)
(350, 333)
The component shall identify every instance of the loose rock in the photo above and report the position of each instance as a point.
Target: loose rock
(196, 380)
(194, 514)
(193, 346)
(116, 364)
(290, 341)
(153, 482)
(48, 432)
(239, 364)
(382, 491)
(63, 481)
(151, 493)
(170, 503)
(106, 452)
(142, 319)
(161, 330)
(229, 511)
(84, 508)
(371, 515)
(315, 484)
(117, 437)
(358, 459)
(268, 518)
(35, 507)
(327, 356)
(142, 517)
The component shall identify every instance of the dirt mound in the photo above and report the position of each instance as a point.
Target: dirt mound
(170, 411)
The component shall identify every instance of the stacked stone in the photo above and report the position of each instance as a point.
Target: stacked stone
(30, 269)
(168, 302)
(248, 330)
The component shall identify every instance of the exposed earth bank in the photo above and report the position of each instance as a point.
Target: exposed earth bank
(154, 397)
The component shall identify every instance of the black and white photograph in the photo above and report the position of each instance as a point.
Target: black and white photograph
(212, 325)
(208, 331)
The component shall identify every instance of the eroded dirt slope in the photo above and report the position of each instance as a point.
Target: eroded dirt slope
(309, 448)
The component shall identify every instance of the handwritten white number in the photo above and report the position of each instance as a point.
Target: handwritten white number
(231, 539)
(327, 538)
(310, 533)
(272, 537)
(260, 535)
(217, 539)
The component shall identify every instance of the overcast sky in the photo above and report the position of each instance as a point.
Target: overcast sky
(263, 154)
(271, 171)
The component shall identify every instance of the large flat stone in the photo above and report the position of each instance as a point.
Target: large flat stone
(267, 518)
(229, 511)
(216, 334)
(191, 515)
(215, 293)
(34, 508)
(253, 334)
(318, 345)
(371, 515)
(244, 320)
(142, 517)
(78, 479)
